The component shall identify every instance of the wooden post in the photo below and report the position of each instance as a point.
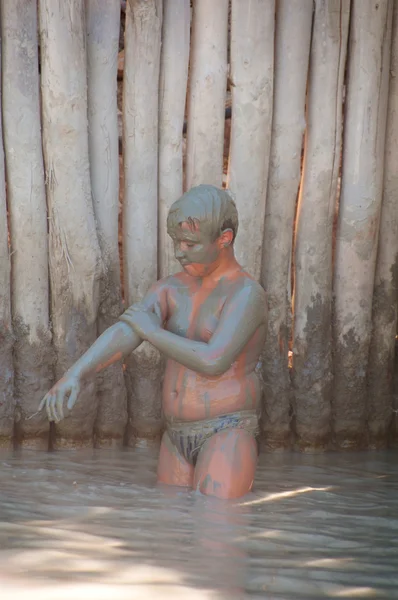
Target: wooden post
(172, 97)
(291, 67)
(28, 219)
(359, 215)
(312, 358)
(103, 28)
(252, 67)
(75, 265)
(207, 93)
(7, 402)
(385, 298)
(140, 205)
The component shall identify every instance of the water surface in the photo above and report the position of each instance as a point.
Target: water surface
(94, 525)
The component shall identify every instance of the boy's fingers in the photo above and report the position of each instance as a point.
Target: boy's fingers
(73, 396)
(59, 405)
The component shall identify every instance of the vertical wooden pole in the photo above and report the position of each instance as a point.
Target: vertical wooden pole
(252, 68)
(75, 260)
(312, 358)
(28, 218)
(103, 29)
(140, 206)
(359, 214)
(7, 402)
(207, 93)
(385, 298)
(172, 96)
(291, 67)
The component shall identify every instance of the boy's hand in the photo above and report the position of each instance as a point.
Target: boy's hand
(142, 321)
(69, 385)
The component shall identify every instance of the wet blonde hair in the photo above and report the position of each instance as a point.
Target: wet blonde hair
(206, 205)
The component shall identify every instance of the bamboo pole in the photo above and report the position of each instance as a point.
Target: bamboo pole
(7, 402)
(359, 215)
(312, 358)
(75, 266)
(103, 28)
(140, 205)
(291, 67)
(385, 299)
(207, 93)
(252, 65)
(172, 89)
(28, 219)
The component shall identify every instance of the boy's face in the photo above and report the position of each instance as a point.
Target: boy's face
(194, 249)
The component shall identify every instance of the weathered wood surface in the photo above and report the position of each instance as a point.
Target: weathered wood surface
(359, 215)
(312, 336)
(140, 202)
(103, 26)
(288, 127)
(74, 252)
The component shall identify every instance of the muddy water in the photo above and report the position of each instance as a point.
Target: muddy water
(94, 525)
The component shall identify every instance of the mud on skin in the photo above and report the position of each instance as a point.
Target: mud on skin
(209, 322)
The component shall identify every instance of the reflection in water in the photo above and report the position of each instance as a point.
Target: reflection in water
(94, 525)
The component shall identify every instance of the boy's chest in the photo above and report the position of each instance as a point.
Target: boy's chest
(196, 314)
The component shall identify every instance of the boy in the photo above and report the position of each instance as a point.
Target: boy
(210, 322)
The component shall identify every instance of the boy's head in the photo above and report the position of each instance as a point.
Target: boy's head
(207, 207)
(202, 223)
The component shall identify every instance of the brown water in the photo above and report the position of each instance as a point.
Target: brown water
(93, 525)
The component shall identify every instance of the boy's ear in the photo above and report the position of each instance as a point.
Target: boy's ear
(226, 238)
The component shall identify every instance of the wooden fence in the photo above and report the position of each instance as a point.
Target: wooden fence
(309, 149)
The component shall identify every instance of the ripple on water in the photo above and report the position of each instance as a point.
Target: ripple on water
(94, 525)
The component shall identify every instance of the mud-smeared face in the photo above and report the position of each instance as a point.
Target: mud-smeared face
(194, 249)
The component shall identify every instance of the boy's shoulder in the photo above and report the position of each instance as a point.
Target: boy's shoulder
(247, 282)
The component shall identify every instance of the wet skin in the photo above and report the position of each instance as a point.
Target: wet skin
(210, 322)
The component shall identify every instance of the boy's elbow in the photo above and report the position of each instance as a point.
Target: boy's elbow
(214, 367)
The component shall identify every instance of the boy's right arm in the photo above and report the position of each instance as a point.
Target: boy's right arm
(115, 343)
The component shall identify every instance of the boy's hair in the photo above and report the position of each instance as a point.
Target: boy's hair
(205, 204)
